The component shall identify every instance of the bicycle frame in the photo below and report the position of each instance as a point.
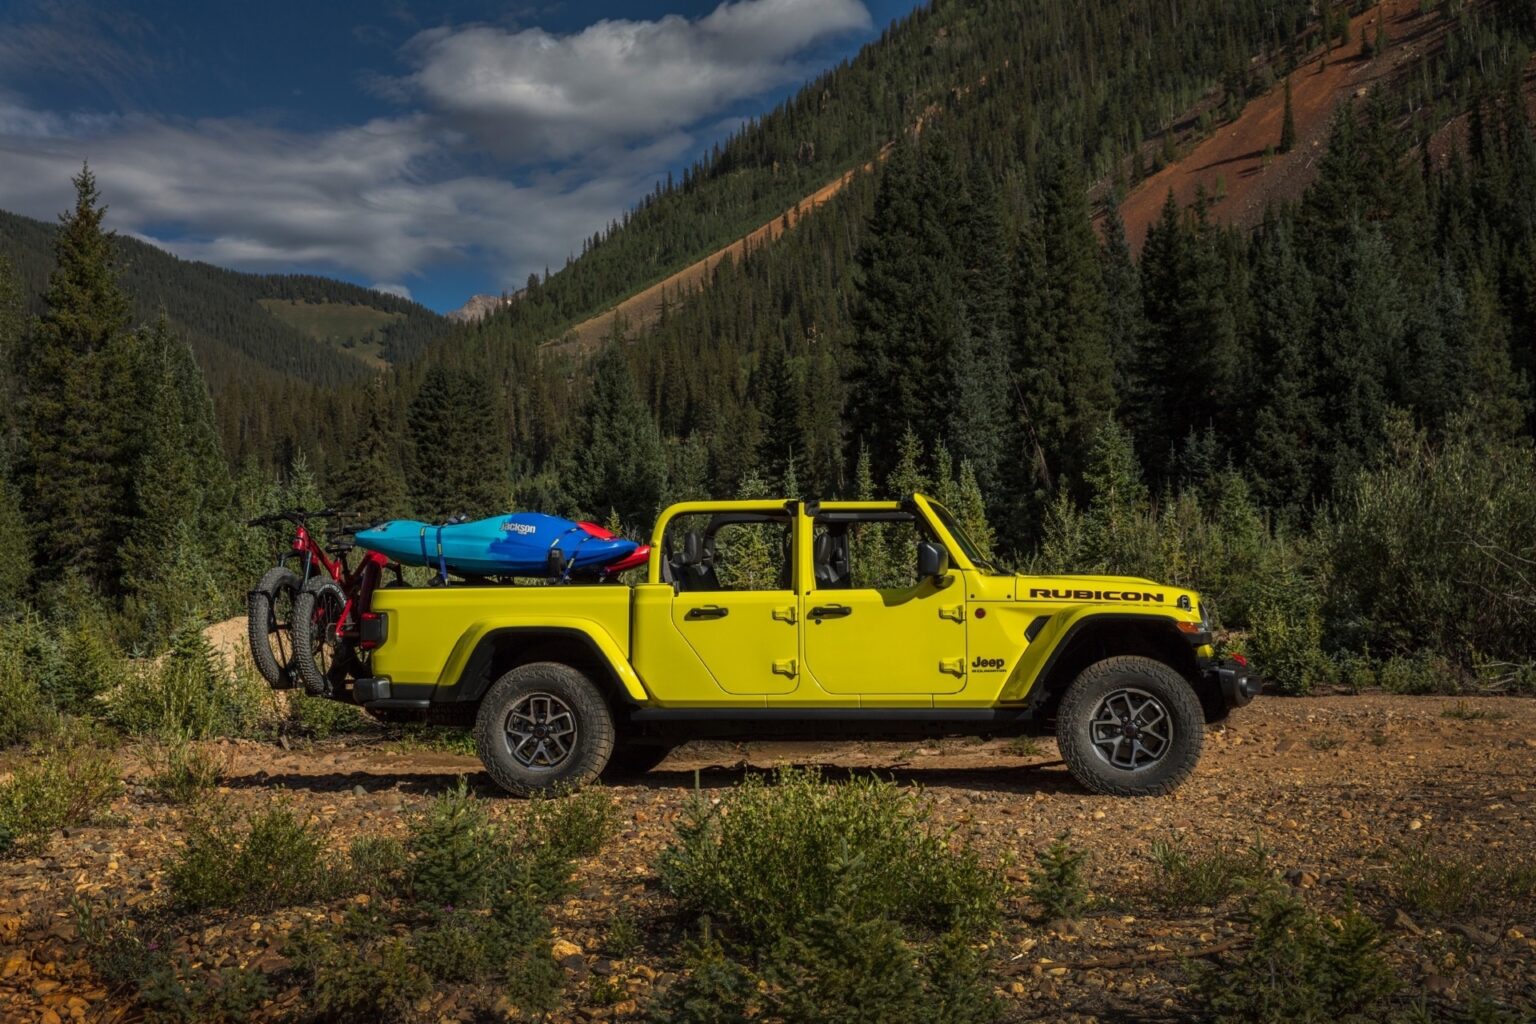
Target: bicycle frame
(310, 552)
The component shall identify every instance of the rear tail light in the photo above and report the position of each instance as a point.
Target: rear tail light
(373, 630)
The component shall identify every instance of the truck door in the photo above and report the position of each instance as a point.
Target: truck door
(735, 603)
(872, 627)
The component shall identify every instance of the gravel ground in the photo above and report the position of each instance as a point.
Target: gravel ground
(1331, 785)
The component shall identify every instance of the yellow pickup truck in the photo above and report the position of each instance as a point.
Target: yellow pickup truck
(774, 619)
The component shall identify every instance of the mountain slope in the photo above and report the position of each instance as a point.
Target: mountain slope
(245, 326)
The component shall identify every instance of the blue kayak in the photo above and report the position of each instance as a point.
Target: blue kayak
(519, 544)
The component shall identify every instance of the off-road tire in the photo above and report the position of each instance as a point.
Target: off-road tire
(590, 747)
(1085, 699)
(631, 759)
(276, 593)
(316, 655)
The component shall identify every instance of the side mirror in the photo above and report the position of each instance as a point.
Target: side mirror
(932, 559)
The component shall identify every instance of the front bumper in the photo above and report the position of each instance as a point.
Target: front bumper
(1236, 680)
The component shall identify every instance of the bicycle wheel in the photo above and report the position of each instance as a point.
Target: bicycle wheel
(269, 623)
(317, 651)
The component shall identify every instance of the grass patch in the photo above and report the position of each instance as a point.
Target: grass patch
(1444, 886)
(1183, 880)
(1464, 712)
(67, 784)
(183, 772)
(438, 739)
(1024, 746)
(1324, 742)
(320, 718)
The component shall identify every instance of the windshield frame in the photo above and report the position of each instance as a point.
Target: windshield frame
(968, 546)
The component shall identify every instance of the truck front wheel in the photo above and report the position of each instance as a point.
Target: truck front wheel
(543, 728)
(1130, 726)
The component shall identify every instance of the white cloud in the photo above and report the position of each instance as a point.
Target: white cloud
(398, 290)
(388, 199)
(540, 95)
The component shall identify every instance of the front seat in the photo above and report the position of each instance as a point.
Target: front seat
(694, 566)
(831, 556)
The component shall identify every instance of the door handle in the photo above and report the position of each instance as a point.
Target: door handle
(831, 611)
(709, 611)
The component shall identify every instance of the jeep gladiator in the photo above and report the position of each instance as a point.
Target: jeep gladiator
(773, 619)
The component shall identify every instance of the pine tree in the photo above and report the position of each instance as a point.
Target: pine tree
(779, 399)
(77, 390)
(1061, 348)
(615, 458)
(459, 464)
(16, 542)
(1124, 320)
(1288, 422)
(970, 507)
(908, 318)
(979, 424)
(12, 321)
(907, 477)
(370, 484)
(1288, 125)
(179, 539)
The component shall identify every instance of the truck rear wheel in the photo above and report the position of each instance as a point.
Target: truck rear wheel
(543, 728)
(1130, 726)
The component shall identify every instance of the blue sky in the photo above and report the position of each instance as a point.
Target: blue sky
(432, 149)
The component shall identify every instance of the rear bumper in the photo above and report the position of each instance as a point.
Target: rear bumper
(1237, 682)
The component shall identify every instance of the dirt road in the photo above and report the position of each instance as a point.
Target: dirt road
(1333, 786)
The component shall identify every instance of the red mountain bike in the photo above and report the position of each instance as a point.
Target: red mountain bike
(329, 616)
(270, 607)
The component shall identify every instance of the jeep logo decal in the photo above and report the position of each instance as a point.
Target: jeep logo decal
(980, 664)
(1047, 594)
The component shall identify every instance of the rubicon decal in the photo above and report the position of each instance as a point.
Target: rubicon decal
(1136, 596)
(980, 664)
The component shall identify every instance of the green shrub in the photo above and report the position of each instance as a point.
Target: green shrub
(715, 988)
(1056, 882)
(184, 772)
(181, 992)
(761, 858)
(378, 864)
(274, 860)
(573, 825)
(453, 850)
(838, 967)
(189, 694)
(118, 950)
(623, 938)
(1418, 673)
(1184, 881)
(26, 715)
(1302, 966)
(1415, 528)
(358, 971)
(1287, 648)
(67, 784)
